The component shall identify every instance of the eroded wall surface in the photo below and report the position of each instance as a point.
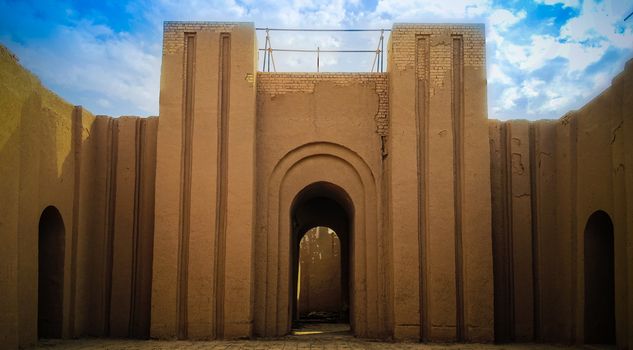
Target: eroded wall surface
(548, 178)
(56, 154)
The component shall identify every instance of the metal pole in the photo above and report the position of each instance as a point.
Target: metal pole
(318, 56)
(272, 58)
(265, 52)
(374, 63)
(322, 30)
(382, 50)
(270, 49)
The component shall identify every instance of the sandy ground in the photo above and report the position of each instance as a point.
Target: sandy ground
(305, 336)
(312, 343)
(291, 342)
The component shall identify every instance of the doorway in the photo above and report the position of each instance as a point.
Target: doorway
(321, 230)
(319, 277)
(599, 280)
(50, 291)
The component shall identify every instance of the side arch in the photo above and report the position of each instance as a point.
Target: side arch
(599, 279)
(50, 289)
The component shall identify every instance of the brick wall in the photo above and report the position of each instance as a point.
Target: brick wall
(173, 32)
(283, 83)
(403, 44)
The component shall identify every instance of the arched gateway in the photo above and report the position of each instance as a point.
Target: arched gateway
(319, 184)
(323, 204)
(247, 160)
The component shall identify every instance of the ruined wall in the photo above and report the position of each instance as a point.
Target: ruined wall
(439, 183)
(431, 210)
(548, 177)
(53, 153)
(36, 153)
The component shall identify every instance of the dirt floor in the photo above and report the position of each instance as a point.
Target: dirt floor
(312, 343)
(304, 336)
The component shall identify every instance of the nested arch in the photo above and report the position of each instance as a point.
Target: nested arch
(323, 204)
(322, 163)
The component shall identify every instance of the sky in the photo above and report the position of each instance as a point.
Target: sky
(544, 57)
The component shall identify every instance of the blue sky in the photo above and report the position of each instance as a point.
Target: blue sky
(544, 57)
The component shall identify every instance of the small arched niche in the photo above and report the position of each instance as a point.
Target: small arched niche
(50, 290)
(599, 280)
(323, 208)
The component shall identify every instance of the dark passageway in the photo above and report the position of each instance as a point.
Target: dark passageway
(50, 274)
(599, 280)
(323, 206)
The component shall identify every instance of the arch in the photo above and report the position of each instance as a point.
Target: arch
(50, 288)
(296, 155)
(328, 164)
(319, 287)
(323, 204)
(599, 280)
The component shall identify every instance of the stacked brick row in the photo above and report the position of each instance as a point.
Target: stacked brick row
(402, 42)
(173, 33)
(283, 83)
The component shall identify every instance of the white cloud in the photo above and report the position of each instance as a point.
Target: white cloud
(502, 19)
(430, 9)
(119, 72)
(497, 75)
(600, 22)
(104, 103)
(92, 59)
(532, 87)
(507, 100)
(565, 3)
(544, 48)
(499, 21)
(552, 69)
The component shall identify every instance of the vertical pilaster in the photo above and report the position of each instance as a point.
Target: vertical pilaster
(404, 216)
(457, 117)
(521, 198)
(476, 238)
(422, 121)
(239, 107)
